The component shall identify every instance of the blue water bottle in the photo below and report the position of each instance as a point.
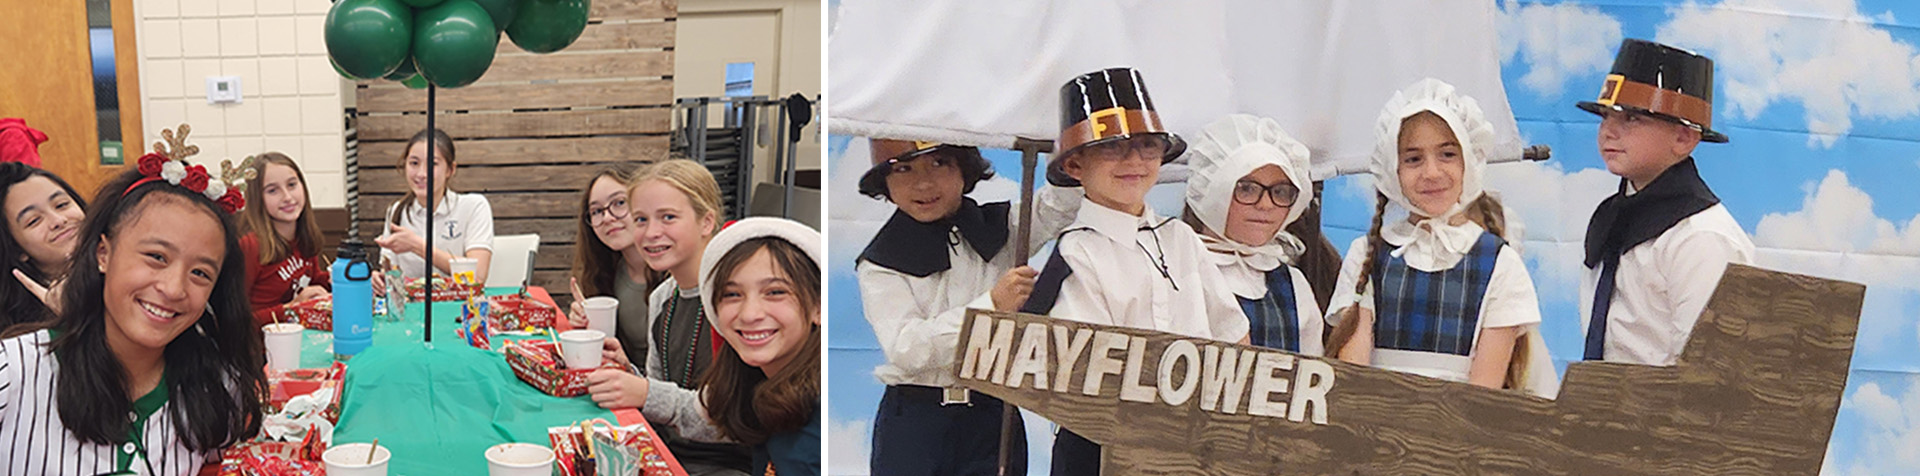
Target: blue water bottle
(352, 300)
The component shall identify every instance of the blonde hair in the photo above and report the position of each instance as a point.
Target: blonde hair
(691, 179)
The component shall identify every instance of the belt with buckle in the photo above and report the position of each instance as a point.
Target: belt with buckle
(955, 396)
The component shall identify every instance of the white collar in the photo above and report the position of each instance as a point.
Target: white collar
(1433, 244)
(1283, 249)
(1246, 266)
(1117, 225)
(442, 207)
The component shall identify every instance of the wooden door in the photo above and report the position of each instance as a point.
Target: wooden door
(48, 80)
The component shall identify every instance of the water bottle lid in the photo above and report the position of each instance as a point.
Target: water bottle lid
(351, 249)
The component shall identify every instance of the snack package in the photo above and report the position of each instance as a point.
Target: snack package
(415, 289)
(474, 327)
(611, 451)
(539, 363)
(519, 311)
(316, 314)
(275, 458)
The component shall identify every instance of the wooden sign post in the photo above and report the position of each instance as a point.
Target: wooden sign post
(1755, 392)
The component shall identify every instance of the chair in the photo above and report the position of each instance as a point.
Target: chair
(512, 260)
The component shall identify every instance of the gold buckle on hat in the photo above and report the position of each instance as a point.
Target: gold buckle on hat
(1101, 124)
(1611, 89)
(955, 396)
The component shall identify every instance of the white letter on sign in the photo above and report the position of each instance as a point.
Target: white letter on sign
(1223, 378)
(1265, 384)
(1311, 382)
(1130, 388)
(1031, 359)
(1179, 350)
(1068, 353)
(1101, 363)
(987, 350)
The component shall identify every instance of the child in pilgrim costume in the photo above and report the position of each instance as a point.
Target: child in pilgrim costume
(939, 253)
(1433, 288)
(1249, 183)
(1119, 263)
(1656, 248)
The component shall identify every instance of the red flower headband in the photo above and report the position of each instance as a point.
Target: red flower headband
(170, 164)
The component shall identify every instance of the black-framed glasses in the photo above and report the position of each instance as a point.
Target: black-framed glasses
(1248, 192)
(616, 210)
(1146, 146)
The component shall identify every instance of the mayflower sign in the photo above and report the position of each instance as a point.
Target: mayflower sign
(1089, 360)
(1754, 393)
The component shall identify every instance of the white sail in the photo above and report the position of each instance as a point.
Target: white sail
(982, 72)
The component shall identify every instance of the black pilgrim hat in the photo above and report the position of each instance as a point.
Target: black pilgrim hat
(1105, 106)
(1661, 81)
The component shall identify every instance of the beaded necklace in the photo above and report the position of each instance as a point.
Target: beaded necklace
(693, 343)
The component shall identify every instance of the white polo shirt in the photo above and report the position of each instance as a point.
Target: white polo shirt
(34, 441)
(461, 222)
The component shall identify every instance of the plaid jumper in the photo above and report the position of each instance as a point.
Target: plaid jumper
(1432, 312)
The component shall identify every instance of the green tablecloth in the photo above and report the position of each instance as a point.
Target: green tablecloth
(438, 406)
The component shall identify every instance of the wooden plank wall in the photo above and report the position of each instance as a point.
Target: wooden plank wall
(531, 131)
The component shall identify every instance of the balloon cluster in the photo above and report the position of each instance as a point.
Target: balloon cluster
(449, 43)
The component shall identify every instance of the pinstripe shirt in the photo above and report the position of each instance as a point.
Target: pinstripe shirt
(33, 440)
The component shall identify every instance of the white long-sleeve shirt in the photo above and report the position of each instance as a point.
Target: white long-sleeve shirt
(1662, 285)
(917, 319)
(1118, 263)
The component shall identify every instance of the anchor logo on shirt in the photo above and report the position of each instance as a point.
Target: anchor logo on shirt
(453, 230)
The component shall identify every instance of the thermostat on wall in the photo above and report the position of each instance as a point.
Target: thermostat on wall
(223, 90)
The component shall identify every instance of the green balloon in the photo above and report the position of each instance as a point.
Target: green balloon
(502, 11)
(415, 82)
(343, 72)
(368, 38)
(405, 70)
(546, 26)
(453, 43)
(422, 3)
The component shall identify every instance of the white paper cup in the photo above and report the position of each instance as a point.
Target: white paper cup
(600, 312)
(581, 348)
(283, 345)
(518, 459)
(466, 266)
(351, 460)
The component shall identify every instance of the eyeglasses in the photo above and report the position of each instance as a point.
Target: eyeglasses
(1146, 146)
(615, 210)
(1247, 192)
